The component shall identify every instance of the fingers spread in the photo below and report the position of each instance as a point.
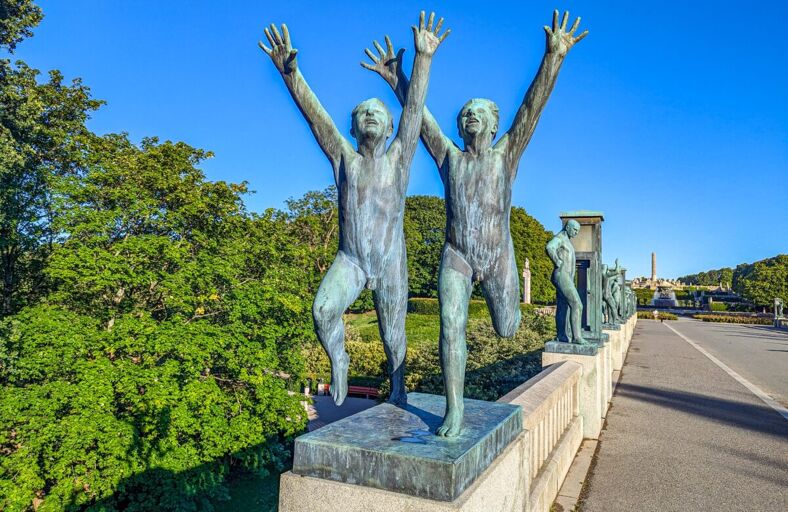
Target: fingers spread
(270, 37)
(581, 36)
(263, 47)
(389, 46)
(275, 32)
(286, 35)
(438, 26)
(564, 20)
(367, 66)
(371, 55)
(445, 34)
(547, 30)
(555, 20)
(574, 26)
(429, 22)
(421, 20)
(379, 48)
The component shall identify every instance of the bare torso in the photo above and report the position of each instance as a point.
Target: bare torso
(371, 210)
(478, 206)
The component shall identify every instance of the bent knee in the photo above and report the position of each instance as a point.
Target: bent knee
(506, 328)
(325, 312)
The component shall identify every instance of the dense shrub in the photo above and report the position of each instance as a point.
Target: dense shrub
(719, 306)
(476, 308)
(648, 315)
(733, 319)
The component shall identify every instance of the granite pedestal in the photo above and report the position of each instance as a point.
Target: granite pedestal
(395, 449)
(590, 385)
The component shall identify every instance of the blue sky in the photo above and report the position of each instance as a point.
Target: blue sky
(670, 117)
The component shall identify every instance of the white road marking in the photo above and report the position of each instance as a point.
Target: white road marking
(755, 390)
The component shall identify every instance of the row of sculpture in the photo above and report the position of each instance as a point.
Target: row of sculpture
(372, 181)
(618, 299)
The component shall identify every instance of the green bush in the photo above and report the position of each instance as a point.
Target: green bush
(648, 315)
(476, 308)
(733, 319)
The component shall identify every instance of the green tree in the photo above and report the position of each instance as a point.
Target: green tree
(161, 357)
(530, 238)
(763, 281)
(42, 136)
(425, 227)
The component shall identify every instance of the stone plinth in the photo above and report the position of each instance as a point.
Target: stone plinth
(591, 382)
(394, 449)
(616, 334)
(503, 486)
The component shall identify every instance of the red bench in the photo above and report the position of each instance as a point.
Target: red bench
(360, 391)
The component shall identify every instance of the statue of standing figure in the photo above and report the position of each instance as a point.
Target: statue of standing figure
(569, 307)
(372, 181)
(610, 294)
(478, 188)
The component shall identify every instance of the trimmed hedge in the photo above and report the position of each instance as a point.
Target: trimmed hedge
(476, 308)
(648, 315)
(730, 319)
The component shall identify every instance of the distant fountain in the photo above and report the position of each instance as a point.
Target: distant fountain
(664, 297)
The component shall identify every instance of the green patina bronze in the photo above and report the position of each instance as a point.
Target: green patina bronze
(392, 448)
(478, 182)
(372, 181)
(569, 307)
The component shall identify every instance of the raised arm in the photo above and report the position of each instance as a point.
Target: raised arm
(558, 44)
(333, 144)
(389, 66)
(426, 42)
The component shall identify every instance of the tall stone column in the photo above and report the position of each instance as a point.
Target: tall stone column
(654, 268)
(527, 282)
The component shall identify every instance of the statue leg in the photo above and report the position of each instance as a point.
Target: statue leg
(391, 303)
(341, 285)
(568, 290)
(563, 331)
(454, 293)
(501, 288)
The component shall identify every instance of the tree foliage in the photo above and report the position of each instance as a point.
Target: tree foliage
(758, 283)
(17, 20)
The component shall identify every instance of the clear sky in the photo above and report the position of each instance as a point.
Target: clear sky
(670, 117)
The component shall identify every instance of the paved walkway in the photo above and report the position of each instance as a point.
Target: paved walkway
(683, 435)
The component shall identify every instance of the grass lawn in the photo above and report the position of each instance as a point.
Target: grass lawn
(420, 329)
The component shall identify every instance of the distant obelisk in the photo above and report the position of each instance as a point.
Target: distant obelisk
(527, 282)
(654, 267)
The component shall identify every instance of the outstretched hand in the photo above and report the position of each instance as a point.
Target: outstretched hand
(425, 38)
(386, 64)
(558, 39)
(281, 52)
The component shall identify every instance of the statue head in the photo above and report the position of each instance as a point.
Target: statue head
(478, 117)
(572, 228)
(371, 119)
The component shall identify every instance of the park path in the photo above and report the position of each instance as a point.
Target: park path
(684, 435)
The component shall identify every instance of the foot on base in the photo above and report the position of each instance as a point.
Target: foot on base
(581, 341)
(452, 424)
(399, 399)
(339, 378)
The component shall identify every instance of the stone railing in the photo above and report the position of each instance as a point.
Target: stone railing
(564, 404)
(550, 404)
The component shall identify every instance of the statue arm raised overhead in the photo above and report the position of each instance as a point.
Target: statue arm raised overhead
(333, 144)
(426, 42)
(389, 66)
(558, 44)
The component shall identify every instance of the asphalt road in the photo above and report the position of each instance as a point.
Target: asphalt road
(756, 352)
(683, 435)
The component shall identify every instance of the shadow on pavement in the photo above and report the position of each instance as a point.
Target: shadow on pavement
(737, 414)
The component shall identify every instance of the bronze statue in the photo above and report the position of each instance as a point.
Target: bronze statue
(372, 181)
(478, 187)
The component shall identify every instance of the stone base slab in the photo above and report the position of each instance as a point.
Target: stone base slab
(503, 487)
(590, 388)
(395, 448)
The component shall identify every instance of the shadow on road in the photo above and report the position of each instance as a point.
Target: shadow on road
(737, 414)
